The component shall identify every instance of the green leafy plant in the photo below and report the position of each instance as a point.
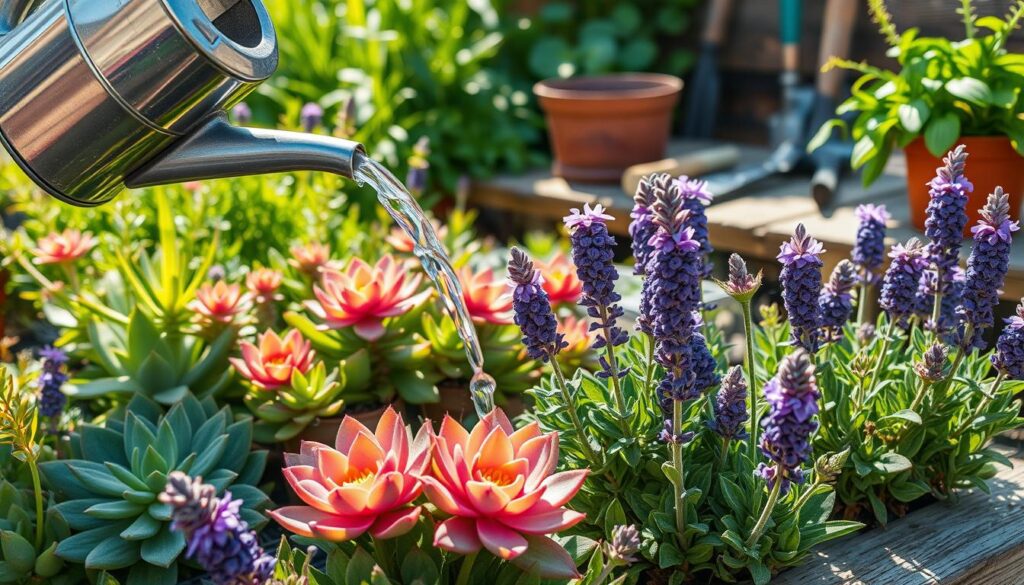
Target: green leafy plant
(20, 560)
(943, 90)
(108, 489)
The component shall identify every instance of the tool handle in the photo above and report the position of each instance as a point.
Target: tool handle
(693, 165)
(824, 184)
(790, 23)
(719, 12)
(839, 22)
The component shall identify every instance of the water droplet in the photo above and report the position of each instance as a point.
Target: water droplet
(482, 388)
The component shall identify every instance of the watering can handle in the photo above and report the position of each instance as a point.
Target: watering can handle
(790, 23)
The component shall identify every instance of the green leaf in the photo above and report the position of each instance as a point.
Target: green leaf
(360, 567)
(145, 526)
(48, 564)
(890, 463)
(100, 444)
(941, 133)
(116, 510)
(614, 516)
(98, 482)
(418, 565)
(113, 553)
(545, 558)
(147, 574)
(970, 89)
(823, 133)
(163, 549)
(669, 556)
(760, 573)
(863, 150)
(905, 414)
(18, 552)
(914, 115)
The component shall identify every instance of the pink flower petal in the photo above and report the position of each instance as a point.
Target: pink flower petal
(385, 492)
(486, 497)
(544, 522)
(395, 523)
(348, 499)
(370, 330)
(457, 535)
(547, 559)
(561, 487)
(502, 541)
(444, 500)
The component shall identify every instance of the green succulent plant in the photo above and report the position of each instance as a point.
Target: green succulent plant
(20, 562)
(285, 412)
(108, 489)
(140, 359)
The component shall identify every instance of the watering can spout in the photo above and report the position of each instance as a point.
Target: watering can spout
(219, 150)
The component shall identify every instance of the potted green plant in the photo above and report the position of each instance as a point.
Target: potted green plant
(944, 93)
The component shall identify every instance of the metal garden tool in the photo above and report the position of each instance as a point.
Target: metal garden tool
(789, 125)
(704, 86)
(832, 158)
(96, 95)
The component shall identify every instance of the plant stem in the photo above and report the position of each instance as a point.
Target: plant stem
(862, 305)
(890, 330)
(37, 489)
(937, 306)
(724, 453)
(985, 400)
(773, 497)
(466, 570)
(807, 495)
(919, 397)
(748, 334)
(605, 572)
(677, 462)
(613, 368)
(943, 386)
(649, 373)
(570, 405)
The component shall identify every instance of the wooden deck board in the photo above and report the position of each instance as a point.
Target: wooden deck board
(753, 225)
(978, 541)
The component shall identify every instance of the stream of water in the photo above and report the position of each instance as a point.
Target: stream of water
(402, 206)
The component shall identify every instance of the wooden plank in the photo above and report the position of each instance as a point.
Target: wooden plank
(977, 541)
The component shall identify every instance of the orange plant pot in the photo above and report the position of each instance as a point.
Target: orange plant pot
(992, 162)
(601, 126)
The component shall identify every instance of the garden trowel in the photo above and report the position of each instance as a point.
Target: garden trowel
(789, 126)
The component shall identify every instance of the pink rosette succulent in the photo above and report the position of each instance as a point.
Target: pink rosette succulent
(310, 258)
(560, 280)
(63, 247)
(499, 487)
(365, 483)
(363, 296)
(486, 297)
(263, 284)
(270, 365)
(219, 302)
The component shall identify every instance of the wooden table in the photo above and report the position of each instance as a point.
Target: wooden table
(753, 225)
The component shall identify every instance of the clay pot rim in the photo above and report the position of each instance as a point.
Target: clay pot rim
(982, 140)
(624, 86)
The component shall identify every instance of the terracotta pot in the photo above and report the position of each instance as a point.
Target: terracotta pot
(455, 401)
(992, 162)
(600, 126)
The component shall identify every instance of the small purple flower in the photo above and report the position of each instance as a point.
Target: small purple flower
(986, 267)
(932, 366)
(836, 302)
(801, 286)
(51, 380)
(593, 253)
(947, 211)
(419, 167)
(532, 308)
(731, 406)
(869, 247)
(241, 113)
(695, 198)
(641, 229)
(792, 396)
(899, 287)
(312, 115)
(217, 538)
(1009, 355)
(741, 285)
(704, 364)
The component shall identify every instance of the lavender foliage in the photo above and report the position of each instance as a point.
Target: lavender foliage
(730, 406)
(532, 308)
(593, 253)
(1009, 355)
(792, 396)
(836, 301)
(801, 287)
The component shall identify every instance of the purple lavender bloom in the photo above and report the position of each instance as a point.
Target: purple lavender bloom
(217, 537)
(241, 113)
(51, 380)
(312, 115)
(793, 400)
(1009, 355)
(532, 308)
(947, 212)
(836, 302)
(801, 286)
(674, 280)
(419, 167)
(932, 366)
(731, 406)
(899, 287)
(695, 198)
(869, 247)
(640, 230)
(704, 364)
(986, 268)
(593, 253)
(954, 280)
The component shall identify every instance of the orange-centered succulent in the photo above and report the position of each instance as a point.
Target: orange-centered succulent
(365, 483)
(560, 279)
(310, 258)
(270, 365)
(63, 247)
(363, 296)
(487, 298)
(219, 302)
(499, 486)
(263, 284)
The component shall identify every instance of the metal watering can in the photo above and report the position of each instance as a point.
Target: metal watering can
(99, 95)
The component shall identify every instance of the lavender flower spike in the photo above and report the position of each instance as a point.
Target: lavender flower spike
(869, 247)
(836, 302)
(51, 380)
(532, 308)
(1009, 355)
(695, 198)
(947, 210)
(899, 287)
(217, 538)
(741, 284)
(731, 406)
(986, 268)
(640, 230)
(593, 252)
(793, 399)
(932, 366)
(801, 286)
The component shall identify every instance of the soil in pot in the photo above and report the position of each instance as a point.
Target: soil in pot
(600, 126)
(992, 162)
